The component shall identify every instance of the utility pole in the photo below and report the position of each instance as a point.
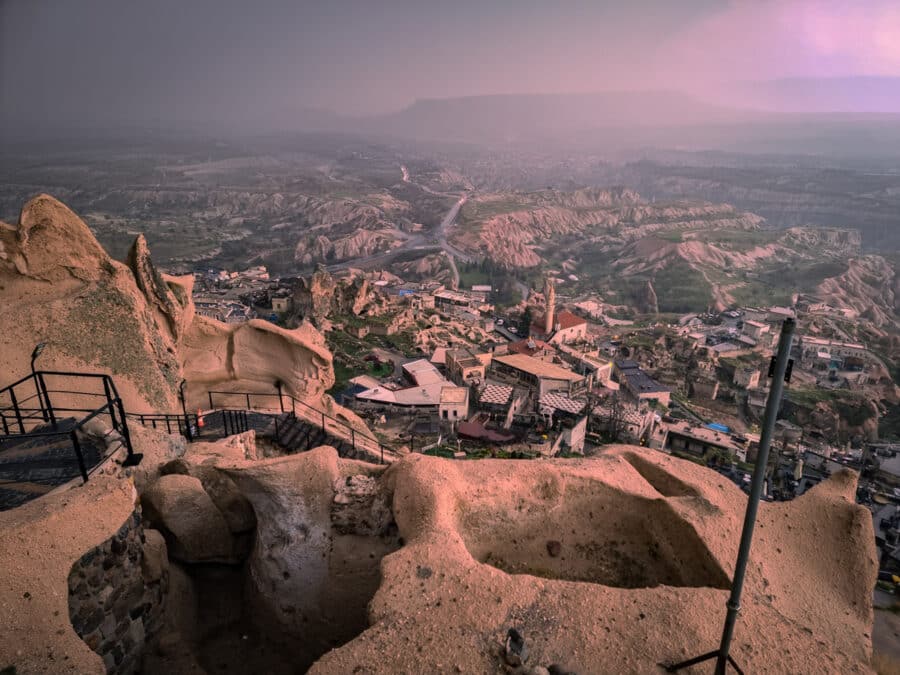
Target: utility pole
(780, 372)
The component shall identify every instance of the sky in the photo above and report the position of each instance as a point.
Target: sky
(263, 62)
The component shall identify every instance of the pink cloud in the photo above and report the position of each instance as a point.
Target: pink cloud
(760, 39)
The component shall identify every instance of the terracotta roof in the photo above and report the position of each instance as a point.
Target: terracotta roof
(562, 319)
(529, 347)
(568, 320)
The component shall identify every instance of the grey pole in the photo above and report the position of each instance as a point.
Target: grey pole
(778, 371)
(759, 473)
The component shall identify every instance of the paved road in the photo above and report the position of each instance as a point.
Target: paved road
(416, 242)
(449, 251)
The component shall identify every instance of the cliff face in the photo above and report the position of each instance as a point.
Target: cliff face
(870, 287)
(59, 286)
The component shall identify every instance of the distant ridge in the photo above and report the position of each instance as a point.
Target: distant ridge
(521, 116)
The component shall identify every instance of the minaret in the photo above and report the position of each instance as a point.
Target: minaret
(550, 297)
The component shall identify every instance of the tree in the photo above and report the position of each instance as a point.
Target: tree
(527, 319)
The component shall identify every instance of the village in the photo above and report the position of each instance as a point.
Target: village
(445, 371)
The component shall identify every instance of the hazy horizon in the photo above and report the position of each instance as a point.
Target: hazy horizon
(279, 64)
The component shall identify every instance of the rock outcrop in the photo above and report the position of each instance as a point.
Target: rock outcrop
(57, 285)
(254, 356)
(168, 297)
(644, 549)
(322, 295)
(609, 564)
(195, 530)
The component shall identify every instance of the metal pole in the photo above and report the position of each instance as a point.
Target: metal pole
(49, 410)
(12, 398)
(38, 385)
(187, 420)
(759, 472)
(76, 446)
(133, 458)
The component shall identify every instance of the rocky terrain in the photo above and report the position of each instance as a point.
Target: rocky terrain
(59, 286)
(611, 564)
(230, 203)
(674, 257)
(322, 295)
(214, 558)
(519, 229)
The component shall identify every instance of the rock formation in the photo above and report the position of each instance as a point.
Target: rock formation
(646, 547)
(516, 226)
(59, 286)
(608, 564)
(321, 296)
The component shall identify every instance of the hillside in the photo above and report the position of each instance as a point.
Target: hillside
(693, 255)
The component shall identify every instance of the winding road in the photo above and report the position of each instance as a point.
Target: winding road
(417, 242)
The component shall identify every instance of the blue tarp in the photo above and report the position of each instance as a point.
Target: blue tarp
(718, 427)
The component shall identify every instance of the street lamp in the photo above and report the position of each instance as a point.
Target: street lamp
(38, 385)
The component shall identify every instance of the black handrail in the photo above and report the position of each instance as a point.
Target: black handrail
(48, 413)
(182, 423)
(354, 433)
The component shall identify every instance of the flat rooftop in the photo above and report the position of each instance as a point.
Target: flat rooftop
(643, 383)
(423, 372)
(465, 358)
(496, 394)
(451, 395)
(428, 395)
(538, 368)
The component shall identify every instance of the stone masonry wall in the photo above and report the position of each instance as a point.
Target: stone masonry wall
(117, 595)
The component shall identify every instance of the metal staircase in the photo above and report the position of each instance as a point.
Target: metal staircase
(54, 427)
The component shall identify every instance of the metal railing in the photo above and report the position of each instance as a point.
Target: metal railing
(186, 425)
(19, 421)
(234, 422)
(286, 403)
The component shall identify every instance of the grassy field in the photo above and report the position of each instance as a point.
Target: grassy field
(680, 288)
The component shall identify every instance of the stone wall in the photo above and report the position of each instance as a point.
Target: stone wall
(117, 594)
